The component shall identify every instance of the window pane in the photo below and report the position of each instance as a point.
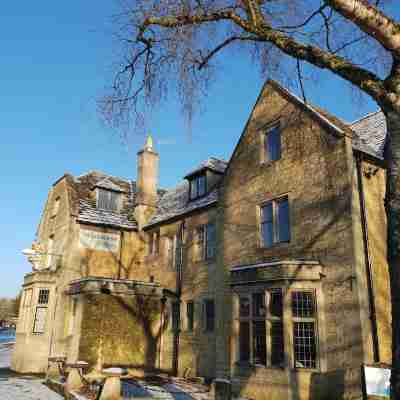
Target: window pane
(107, 200)
(277, 347)
(304, 344)
(244, 341)
(201, 180)
(43, 296)
(40, 320)
(190, 315)
(274, 144)
(267, 213)
(258, 304)
(276, 304)
(259, 343)
(176, 319)
(209, 315)
(210, 241)
(244, 306)
(193, 189)
(283, 220)
(303, 304)
(267, 232)
(113, 201)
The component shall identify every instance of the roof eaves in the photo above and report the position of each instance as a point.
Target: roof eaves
(310, 108)
(184, 213)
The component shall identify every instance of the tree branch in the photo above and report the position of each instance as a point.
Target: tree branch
(225, 43)
(362, 78)
(371, 21)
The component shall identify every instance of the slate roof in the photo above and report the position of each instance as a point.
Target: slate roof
(92, 215)
(213, 164)
(107, 184)
(175, 202)
(84, 202)
(370, 134)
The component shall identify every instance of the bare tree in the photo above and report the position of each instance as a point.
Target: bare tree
(172, 47)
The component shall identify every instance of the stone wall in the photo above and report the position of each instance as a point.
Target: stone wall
(120, 330)
(315, 173)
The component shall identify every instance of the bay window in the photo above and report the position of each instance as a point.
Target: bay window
(262, 328)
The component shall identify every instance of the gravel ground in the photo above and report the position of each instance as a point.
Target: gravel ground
(14, 387)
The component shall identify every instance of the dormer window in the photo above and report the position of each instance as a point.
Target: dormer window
(198, 185)
(107, 200)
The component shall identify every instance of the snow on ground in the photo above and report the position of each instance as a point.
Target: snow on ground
(176, 389)
(13, 387)
(5, 355)
(25, 389)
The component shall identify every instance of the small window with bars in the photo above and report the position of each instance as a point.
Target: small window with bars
(43, 297)
(304, 329)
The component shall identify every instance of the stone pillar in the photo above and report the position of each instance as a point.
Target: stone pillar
(74, 380)
(112, 386)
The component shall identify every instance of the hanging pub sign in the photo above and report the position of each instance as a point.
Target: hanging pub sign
(376, 381)
(101, 241)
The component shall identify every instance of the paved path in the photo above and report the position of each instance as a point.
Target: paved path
(15, 387)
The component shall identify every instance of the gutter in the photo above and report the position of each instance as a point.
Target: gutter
(367, 257)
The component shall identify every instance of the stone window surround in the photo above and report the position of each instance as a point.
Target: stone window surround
(287, 290)
(274, 201)
(196, 181)
(206, 248)
(118, 199)
(154, 243)
(293, 275)
(41, 305)
(263, 137)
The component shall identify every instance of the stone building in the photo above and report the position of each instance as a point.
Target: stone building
(269, 269)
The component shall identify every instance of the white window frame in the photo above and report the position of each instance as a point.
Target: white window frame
(275, 221)
(195, 186)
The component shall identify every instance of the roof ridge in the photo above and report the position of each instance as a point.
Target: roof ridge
(96, 171)
(218, 159)
(309, 106)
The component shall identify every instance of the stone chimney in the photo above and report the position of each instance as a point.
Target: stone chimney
(146, 182)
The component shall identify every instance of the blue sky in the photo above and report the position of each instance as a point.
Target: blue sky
(54, 65)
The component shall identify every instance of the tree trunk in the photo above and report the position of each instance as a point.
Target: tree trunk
(392, 202)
